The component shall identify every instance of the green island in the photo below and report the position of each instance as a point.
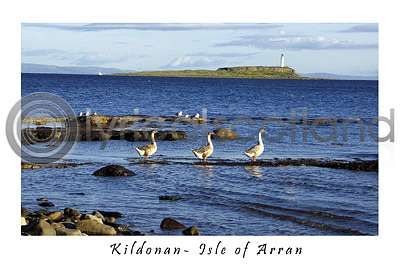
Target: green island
(250, 72)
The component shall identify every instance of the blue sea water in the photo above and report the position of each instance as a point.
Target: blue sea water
(222, 200)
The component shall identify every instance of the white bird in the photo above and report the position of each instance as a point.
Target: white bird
(204, 152)
(87, 113)
(197, 116)
(187, 116)
(95, 113)
(149, 149)
(81, 114)
(256, 150)
(179, 114)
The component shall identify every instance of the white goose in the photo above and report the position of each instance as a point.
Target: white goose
(149, 149)
(256, 150)
(204, 152)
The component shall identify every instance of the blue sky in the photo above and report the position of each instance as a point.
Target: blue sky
(308, 47)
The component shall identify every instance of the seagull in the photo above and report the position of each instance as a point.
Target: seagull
(179, 114)
(256, 150)
(81, 114)
(149, 149)
(197, 116)
(87, 113)
(95, 113)
(187, 116)
(204, 152)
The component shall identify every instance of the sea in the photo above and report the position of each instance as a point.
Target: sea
(222, 200)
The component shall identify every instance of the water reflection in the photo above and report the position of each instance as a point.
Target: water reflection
(254, 171)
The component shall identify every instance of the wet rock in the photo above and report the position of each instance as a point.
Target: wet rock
(114, 214)
(46, 204)
(39, 228)
(225, 133)
(68, 232)
(170, 197)
(109, 220)
(92, 217)
(71, 213)
(98, 214)
(23, 221)
(69, 225)
(93, 227)
(191, 231)
(113, 170)
(171, 224)
(79, 193)
(24, 212)
(55, 216)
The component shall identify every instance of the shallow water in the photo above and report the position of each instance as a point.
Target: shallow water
(221, 200)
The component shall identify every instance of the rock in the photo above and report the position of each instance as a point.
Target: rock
(93, 227)
(113, 170)
(23, 221)
(98, 214)
(114, 214)
(171, 224)
(71, 213)
(191, 231)
(46, 204)
(69, 225)
(78, 193)
(109, 220)
(92, 217)
(42, 199)
(40, 228)
(55, 216)
(68, 232)
(170, 197)
(24, 212)
(140, 135)
(225, 133)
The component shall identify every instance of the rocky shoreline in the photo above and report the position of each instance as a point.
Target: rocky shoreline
(72, 222)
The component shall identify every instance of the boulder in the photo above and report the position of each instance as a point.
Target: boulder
(92, 217)
(114, 214)
(93, 227)
(68, 232)
(55, 216)
(24, 212)
(71, 213)
(225, 133)
(98, 214)
(113, 170)
(46, 204)
(191, 231)
(171, 224)
(39, 228)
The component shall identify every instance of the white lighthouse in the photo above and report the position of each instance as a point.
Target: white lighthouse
(282, 60)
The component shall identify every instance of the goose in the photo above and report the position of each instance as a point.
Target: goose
(204, 152)
(179, 114)
(149, 149)
(256, 150)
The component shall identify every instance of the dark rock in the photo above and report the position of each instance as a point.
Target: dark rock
(191, 231)
(98, 214)
(71, 213)
(93, 227)
(140, 135)
(170, 197)
(80, 194)
(46, 204)
(114, 214)
(225, 133)
(24, 212)
(171, 224)
(69, 225)
(42, 199)
(113, 170)
(109, 220)
(39, 228)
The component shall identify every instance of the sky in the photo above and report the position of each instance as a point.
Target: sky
(350, 49)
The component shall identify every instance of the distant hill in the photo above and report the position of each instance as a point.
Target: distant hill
(250, 72)
(53, 69)
(338, 77)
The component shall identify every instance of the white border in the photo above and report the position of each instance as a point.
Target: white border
(322, 255)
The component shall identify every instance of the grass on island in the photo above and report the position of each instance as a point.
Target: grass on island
(262, 74)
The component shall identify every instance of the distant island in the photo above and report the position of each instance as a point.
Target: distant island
(250, 72)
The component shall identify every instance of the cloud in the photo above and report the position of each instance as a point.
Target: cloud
(223, 55)
(192, 62)
(96, 27)
(295, 42)
(82, 58)
(362, 28)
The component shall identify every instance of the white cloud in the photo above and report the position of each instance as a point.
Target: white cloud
(192, 62)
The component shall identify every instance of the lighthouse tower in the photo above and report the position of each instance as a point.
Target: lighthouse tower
(282, 60)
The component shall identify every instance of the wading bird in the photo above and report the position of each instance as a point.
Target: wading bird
(149, 149)
(204, 152)
(256, 150)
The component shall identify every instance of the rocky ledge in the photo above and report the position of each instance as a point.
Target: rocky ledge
(71, 222)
